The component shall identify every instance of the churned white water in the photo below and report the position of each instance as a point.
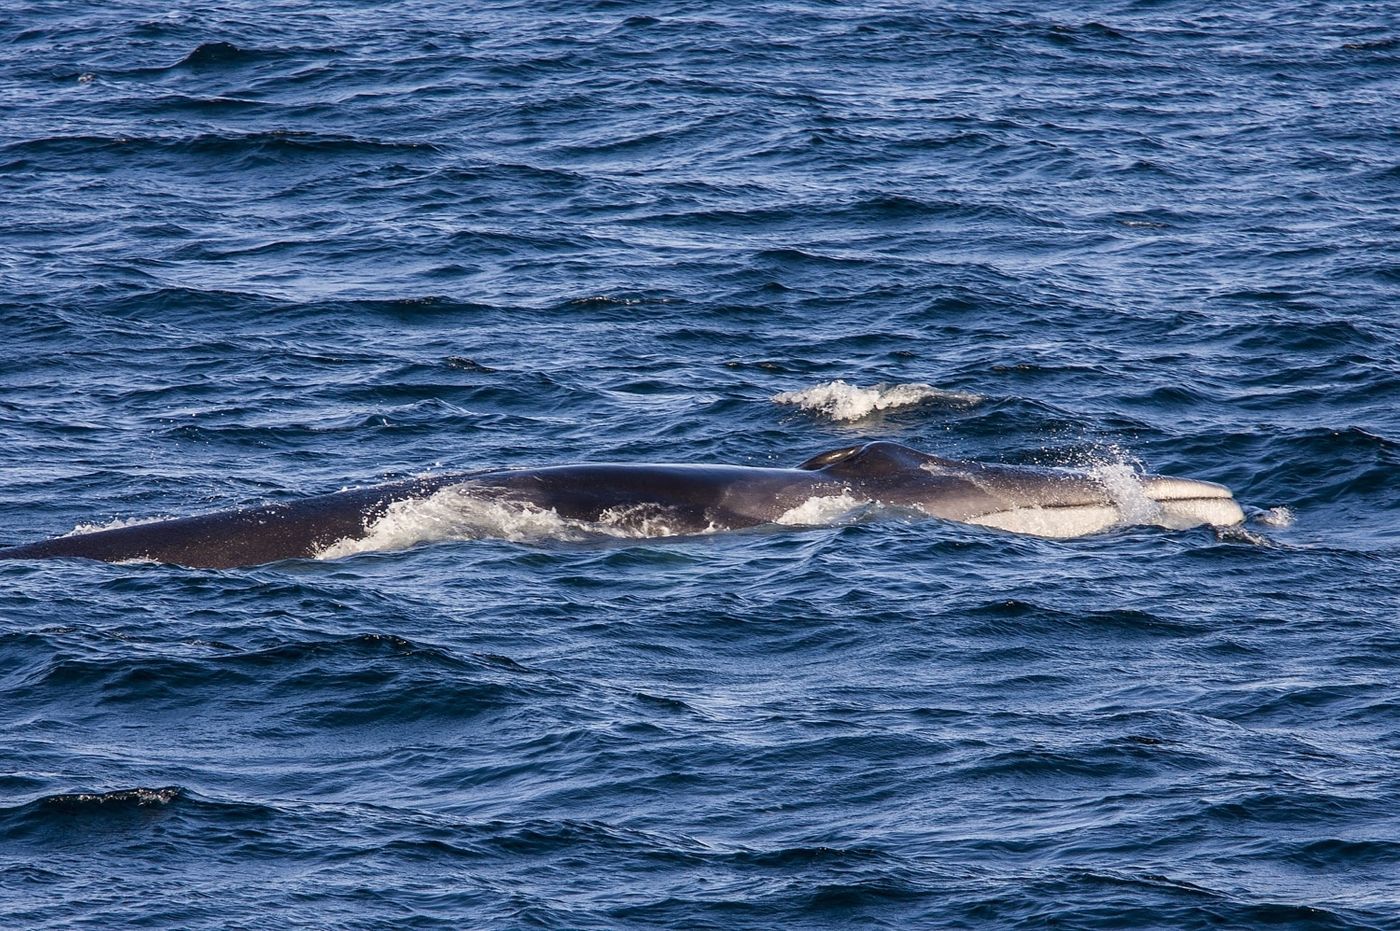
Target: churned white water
(843, 401)
(821, 511)
(117, 524)
(1276, 517)
(454, 514)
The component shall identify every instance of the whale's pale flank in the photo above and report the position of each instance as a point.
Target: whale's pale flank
(688, 498)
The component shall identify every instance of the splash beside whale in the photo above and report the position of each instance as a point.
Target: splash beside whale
(683, 498)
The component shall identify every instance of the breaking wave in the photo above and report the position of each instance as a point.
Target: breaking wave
(843, 401)
(1280, 516)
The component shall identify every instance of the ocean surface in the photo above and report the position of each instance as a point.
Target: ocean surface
(255, 253)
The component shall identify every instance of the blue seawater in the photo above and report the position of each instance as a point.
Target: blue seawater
(253, 252)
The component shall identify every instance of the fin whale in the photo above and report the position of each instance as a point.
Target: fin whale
(692, 498)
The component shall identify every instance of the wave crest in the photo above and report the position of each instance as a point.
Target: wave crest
(843, 401)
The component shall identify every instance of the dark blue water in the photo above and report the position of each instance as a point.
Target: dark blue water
(251, 254)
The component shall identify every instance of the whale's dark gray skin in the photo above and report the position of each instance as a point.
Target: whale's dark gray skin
(690, 498)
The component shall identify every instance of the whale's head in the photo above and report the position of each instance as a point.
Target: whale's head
(895, 474)
(1025, 499)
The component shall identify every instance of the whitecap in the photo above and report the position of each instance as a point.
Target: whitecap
(843, 401)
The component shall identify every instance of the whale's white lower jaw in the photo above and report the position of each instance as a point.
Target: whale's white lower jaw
(1174, 503)
(1181, 513)
(1059, 523)
(1063, 523)
(1186, 502)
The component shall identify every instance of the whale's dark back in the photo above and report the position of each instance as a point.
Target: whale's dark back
(693, 497)
(235, 538)
(870, 461)
(689, 498)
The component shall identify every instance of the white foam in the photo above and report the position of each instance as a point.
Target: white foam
(840, 400)
(80, 529)
(454, 514)
(1276, 517)
(637, 521)
(822, 510)
(140, 796)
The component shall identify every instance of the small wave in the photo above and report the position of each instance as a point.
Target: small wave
(1373, 45)
(65, 815)
(464, 364)
(219, 54)
(64, 810)
(140, 797)
(227, 55)
(842, 401)
(1276, 517)
(270, 143)
(1238, 533)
